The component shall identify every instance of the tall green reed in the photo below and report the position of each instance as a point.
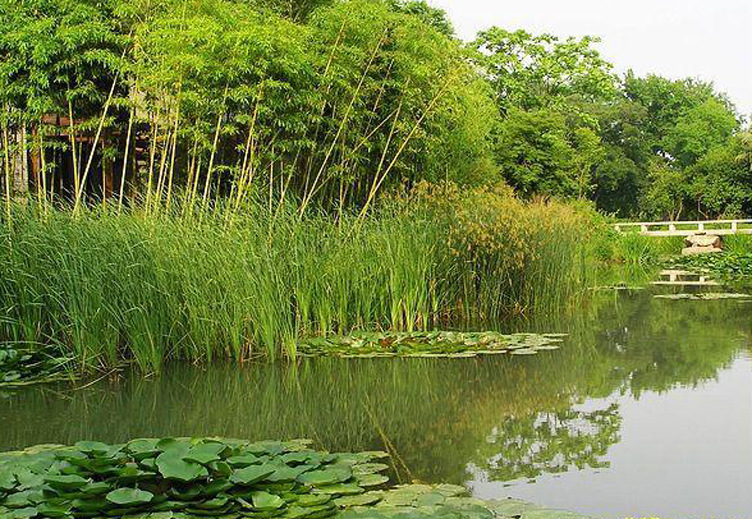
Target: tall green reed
(149, 287)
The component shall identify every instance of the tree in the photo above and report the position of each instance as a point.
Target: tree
(535, 155)
(666, 101)
(665, 191)
(533, 72)
(698, 130)
(721, 181)
(432, 16)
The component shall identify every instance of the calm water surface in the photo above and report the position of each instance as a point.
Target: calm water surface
(645, 411)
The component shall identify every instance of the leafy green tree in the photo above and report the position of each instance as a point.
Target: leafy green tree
(433, 16)
(721, 181)
(530, 71)
(665, 191)
(298, 10)
(620, 175)
(588, 154)
(534, 153)
(666, 101)
(698, 130)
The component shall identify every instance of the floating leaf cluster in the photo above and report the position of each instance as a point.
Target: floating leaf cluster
(705, 296)
(727, 264)
(448, 502)
(420, 502)
(428, 344)
(20, 367)
(186, 478)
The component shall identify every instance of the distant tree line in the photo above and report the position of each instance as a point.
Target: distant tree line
(334, 102)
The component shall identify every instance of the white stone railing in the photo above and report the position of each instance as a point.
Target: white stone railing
(687, 228)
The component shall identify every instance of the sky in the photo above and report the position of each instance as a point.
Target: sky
(706, 39)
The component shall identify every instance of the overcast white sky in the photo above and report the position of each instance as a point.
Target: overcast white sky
(707, 39)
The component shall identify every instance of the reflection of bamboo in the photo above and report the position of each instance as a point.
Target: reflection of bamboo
(293, 373)
(390, 448)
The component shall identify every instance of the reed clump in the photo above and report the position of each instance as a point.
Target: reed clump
(109, 286)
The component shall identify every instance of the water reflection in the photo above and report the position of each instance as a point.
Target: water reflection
(494, 419)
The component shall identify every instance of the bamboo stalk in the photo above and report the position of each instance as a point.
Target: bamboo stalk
(79, 193)
(402, 147)
(152, 159)
(124, 169)
(6, 149)
(43, 173)
(207, 184)
(76, 172)
(172, 159)
(345, 118)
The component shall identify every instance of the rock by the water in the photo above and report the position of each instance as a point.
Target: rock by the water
(702, 244)
(703, 240)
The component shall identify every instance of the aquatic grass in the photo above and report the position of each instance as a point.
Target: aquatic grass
(738, 244)
(111, 286)
(636, 249)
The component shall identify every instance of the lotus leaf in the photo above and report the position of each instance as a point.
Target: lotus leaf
(369, 468)
(371, 480)
(129, 497)
(172, 467)
(325, 476)
(71, 482)
(342, 489)
(253, 474)
(205, 453)
(425, 345)
(265, 501)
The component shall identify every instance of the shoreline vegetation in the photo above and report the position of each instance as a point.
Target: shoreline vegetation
(108, 287)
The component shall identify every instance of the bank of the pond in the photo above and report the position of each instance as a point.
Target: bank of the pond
(183, 478)
(106, 287)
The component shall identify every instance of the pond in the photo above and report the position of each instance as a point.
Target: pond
(646, 410)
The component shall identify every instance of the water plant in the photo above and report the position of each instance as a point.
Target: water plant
(428, 344)
(705, 296)
(183, 478)
(196, 477)
(110, 286)
(736, 264)
(31, 365)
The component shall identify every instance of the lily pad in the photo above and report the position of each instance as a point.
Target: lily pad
(129, 497)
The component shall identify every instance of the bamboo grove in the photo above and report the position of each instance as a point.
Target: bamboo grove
(128, 100)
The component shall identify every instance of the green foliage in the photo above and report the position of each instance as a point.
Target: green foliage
(433, 16)
(190, 477)
(328, 102)
(666, 101)
(56, 52)
(111, 287)
(25, 366)
(730, 265)
(539, 153)
(333, 103)
(720, 181)
(427, 344)
(664, 196)
(698, 130)
(532, 72)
